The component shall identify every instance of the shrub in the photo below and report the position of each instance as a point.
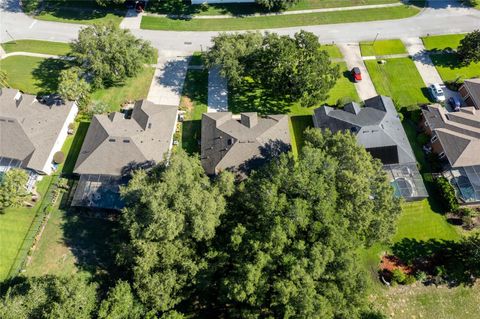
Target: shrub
(341, 102)
(447, 194)
(409, 280)
(423, 138)
(398, 276)
(421, 276)
(466, 212)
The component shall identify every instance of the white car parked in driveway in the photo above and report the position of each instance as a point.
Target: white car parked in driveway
(437, 92)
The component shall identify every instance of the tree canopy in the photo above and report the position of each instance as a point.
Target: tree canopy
(469, 48)
(276, 4)
(108, 54)
(48, 297)
(12, 188)
(170, 217)
(73, 87)
(294, 228)
(294, 68)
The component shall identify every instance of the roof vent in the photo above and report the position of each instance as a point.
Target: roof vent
(111, 140)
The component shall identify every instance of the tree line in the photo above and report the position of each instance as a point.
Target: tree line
(282, 243)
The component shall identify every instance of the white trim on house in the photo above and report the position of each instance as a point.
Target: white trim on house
(62, 136)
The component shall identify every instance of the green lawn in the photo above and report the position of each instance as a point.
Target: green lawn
(420, 222)
(194, 102)
(249, 98)
(382, 47)
(399, 79)
(162, 7)
(333, 51)
(297, 125)
(266, 22)
(36, 46)
(68, 11)
(32, 75)
(72, 243)
(440, 42)
(133, 89)
(450, 68)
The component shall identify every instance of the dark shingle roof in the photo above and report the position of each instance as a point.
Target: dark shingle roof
(28, 128)
(473, 86)
(458, 132)
(376, 126)
(228, 143)
(114, 143)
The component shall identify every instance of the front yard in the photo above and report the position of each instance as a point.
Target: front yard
(382, 47)
(277, 21)
(37, 46)
(399, 79)
(83, 12)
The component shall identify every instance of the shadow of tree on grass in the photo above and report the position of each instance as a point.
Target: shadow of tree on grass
(48, 74)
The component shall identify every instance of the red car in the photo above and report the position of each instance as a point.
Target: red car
(356, 74)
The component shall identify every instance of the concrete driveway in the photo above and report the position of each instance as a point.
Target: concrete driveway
(425, 66)
(353, 58)
(167, 83)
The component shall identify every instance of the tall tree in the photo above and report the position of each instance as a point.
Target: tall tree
(170, 218)
(293, 230)
(108, 55)
(49, 297)
(293, 68)
(74, 88)
(120, 303)
(13, 188)
(469, 48)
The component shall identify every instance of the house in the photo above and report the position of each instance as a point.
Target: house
(241, 143)
(115, 145)
(455, 137)
(470, 92)
(378, 128)
(31, 132)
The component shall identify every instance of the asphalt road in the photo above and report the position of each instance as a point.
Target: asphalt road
(443, 16)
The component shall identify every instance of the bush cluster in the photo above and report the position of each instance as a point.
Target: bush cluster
(447, 194)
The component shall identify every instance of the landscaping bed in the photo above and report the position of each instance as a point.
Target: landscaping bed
(266, 22)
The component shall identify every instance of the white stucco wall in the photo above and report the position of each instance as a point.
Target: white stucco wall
(47, 169)
(221, 1)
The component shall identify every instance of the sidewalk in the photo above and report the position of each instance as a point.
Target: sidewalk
(167, 83)
(36, 55)
(353, 58)
(374, 6)
(132, 20)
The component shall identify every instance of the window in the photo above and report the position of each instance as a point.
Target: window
(230, 141)
(434, 138)
(441, 155)
(126, 141)
(111, 140)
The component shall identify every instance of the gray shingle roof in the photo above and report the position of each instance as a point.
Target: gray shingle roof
(473, 86)
(376, 126)
(229, 143)
(458, 132)
(28, 128)
(114, 143)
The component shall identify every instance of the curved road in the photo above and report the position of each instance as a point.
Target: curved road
(443, 16)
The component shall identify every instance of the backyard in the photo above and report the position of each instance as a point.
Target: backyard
(277, 21)
(399, 79)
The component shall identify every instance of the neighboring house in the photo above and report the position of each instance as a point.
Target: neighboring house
(241, 143)
(115, 145)
(378, 128)
(31, 132)
(470, 92)
(455, 136)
